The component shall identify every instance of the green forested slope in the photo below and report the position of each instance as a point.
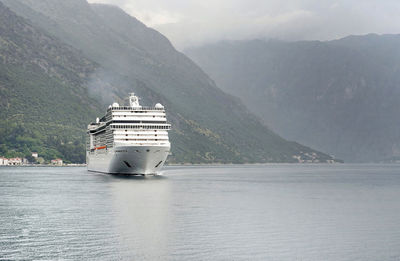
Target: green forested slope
(43, 105)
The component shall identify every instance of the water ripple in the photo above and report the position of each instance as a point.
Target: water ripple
(263, 212)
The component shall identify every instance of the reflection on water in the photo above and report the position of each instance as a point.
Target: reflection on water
(142, 219)
(273, 212)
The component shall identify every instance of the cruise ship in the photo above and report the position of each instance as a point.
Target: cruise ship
(130, 140)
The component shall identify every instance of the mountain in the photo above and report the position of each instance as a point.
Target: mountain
(341, 96)
(43, 105)
(124, 56)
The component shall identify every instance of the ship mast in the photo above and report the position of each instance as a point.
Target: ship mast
(133, 100)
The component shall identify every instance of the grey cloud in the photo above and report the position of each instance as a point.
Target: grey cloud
(194, 22)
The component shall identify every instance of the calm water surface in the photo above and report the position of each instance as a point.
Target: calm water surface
(273, 212)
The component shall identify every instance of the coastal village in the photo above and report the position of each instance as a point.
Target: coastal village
(24, 162)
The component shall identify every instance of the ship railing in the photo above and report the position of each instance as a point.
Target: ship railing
(142, 108)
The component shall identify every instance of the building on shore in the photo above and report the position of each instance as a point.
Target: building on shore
(15, 161)
(3, 161)
(35, 155)
(57, 162)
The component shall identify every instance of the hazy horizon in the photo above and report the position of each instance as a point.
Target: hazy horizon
(195, 22)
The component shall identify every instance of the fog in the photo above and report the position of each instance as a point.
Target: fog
(195, 22)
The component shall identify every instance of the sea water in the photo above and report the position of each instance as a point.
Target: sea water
(254, 212)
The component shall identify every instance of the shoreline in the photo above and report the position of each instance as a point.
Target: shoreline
(217, 164)
(44, 165)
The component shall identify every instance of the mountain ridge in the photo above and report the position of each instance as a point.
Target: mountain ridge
(337, 96)
(208, 125)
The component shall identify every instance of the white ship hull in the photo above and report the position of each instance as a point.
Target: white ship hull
(128, 160)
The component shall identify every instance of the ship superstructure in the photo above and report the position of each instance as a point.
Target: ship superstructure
(129, 139)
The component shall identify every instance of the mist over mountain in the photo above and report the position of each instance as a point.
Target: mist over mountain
(341, 96)
(192, 23)
(123, 55)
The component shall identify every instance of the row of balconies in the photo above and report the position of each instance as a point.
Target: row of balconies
(147, 127)
(135, 134)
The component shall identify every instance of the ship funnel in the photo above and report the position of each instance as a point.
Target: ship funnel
(133, 100)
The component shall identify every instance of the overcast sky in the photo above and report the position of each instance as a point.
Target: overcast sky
(194, 22)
